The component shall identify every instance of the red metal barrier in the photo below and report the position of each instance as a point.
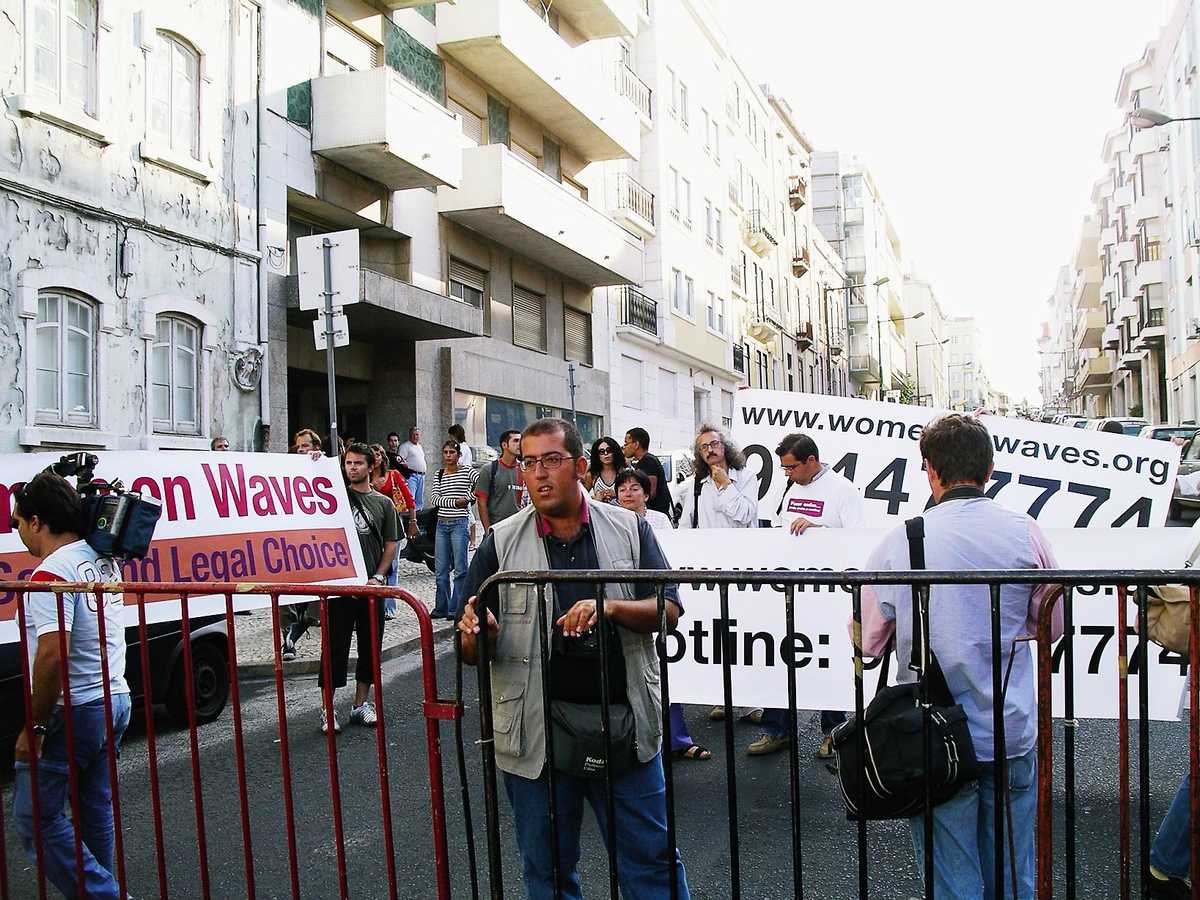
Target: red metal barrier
(434, 710)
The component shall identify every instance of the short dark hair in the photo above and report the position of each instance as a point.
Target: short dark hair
(393, 434)
(640, 436)
(632, 475)
(505, 435)
(312, 436)
(572, 440)
(456, 431)
(453, 445)
(359, 449)
(801, 446)
(51, 498)
(958, 448)
(212, 445)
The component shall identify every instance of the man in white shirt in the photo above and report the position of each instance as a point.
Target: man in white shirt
(815, 497)
(413, 455)
(723, 494)
(48, 517)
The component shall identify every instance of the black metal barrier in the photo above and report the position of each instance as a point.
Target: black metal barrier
(1125, 582)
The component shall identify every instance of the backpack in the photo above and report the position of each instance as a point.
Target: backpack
(1169, 611)
(887, 780)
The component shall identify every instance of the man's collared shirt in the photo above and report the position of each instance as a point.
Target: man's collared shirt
(734, 507)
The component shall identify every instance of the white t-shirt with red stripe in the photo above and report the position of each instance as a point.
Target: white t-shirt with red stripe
(829, 500)
(79, 562)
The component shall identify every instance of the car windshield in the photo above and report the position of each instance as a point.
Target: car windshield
(1193, 451)
(1133, 428)
(1165, 434)
(1082, 423)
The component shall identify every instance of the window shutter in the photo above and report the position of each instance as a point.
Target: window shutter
(529, 319)
(577, 327)
(524, 154)
(468, 275)
(472, 125)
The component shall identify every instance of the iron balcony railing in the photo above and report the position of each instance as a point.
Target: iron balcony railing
(633, 197)
(739, 358)
(756, 227)
(630, 86)
(639, 311)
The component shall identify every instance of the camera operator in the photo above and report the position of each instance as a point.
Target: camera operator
(47, 515)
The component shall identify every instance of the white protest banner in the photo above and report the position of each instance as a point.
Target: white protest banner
(821, 654)
(247, 517)
(1063, 477)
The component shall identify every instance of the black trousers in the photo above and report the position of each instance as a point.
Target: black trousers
(347, 616)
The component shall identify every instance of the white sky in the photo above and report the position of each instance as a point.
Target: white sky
(982, 124)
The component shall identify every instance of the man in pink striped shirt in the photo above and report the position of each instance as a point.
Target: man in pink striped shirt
(966, 530)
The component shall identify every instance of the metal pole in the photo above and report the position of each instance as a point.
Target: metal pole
(326, 248)
(571, 384)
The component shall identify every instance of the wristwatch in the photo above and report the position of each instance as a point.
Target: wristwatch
(378, 579)
(39, 730)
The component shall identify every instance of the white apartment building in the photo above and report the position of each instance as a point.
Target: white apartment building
(850, 212)
(455, 138)
(927, 342)
(970, 387)
(133, 307)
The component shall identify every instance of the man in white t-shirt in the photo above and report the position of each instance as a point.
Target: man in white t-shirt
(47, 517)
(815, 497)
(413, 455)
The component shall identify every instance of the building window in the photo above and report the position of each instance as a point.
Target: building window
(63, 64)
(66, 360)
(472, 124)
(175, 95)
(683, 296)
(727, 408)
(712, 310)
(346, 50)
(631, 382)
(529, 319)
(577, 331)
(685, 204)
(175, 375)
(467, 283)
(668, 400)
(683, 105)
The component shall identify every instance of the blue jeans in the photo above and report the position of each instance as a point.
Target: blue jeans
(416, 484)
(95, 799)
(774, 721)
(643, 858)
(450, 552)
(389, 603)
(964, 861)
(1171, 853)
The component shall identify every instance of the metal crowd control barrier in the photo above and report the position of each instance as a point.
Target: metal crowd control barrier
(434, 710)
(789, 582)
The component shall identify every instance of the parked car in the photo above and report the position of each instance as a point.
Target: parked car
(678, 465)
(1189, 463)
(1082, 423)
(210, 675)
(1130, 425)
(1071, 421)
(1178, 433)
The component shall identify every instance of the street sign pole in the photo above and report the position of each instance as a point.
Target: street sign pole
(326, 248)
(571, 384)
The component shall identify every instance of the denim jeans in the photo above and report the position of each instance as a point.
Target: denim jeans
(389, 603)
(416, 484)
(643, 858)
(963, 837)
(1171, 853)
(95, 799)
(450, 552)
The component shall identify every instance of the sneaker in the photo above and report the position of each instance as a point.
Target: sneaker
(364, 715)
(717, 713)
(289, 648)
(753, 715)
(1162, 887)
(825, 751)
(337, 726)
(767, 744)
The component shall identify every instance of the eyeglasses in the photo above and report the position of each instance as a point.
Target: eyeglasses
(711, 445)
(606, 451)
(788, 467)
(549, 461)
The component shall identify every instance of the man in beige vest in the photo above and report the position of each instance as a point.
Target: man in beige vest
(564, 529)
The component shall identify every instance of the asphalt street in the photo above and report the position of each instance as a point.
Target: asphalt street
(829, 860)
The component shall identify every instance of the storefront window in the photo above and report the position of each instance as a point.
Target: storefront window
(485, 418)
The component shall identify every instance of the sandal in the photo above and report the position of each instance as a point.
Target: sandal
(692, 751)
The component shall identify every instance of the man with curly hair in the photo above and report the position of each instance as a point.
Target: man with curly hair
(724, 494)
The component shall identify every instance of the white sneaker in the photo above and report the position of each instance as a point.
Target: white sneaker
(364, 715)
(337, 726)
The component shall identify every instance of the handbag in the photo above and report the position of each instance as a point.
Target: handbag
(579, 739)
(1169, 611)
(887, 779)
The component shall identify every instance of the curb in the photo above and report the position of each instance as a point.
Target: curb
(442, 632)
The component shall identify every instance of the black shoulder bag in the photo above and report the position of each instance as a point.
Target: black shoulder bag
(887, 780)
(697, 487)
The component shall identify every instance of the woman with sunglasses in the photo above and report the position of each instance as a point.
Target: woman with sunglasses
(606, 461)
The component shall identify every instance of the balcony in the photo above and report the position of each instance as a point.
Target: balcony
(864, 367)
(804, 336)
(392, 310)
(1108, 236)
(856, 265)
(639, 314)
(1126, 251)
(376, 124)
(595, 19)
(756, 234)
(1131, 360)
(1108, 286)
(1149, 206)
(797, 191)
(1148, 271)
(636, 92)
(1095, 374)
(1089, 328)
(801, 262)
(1111, 338)
(508, 46)
(1087, 288)
(409, 4)
(1154, 330)
(764, 325)
(507, 200)
(634, 206)
(857, 312)
(1126, 309)
(1123, 196)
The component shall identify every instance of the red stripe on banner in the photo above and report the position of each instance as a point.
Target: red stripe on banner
(282, 557)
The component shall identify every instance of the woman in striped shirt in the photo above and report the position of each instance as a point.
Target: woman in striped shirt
(453, 493)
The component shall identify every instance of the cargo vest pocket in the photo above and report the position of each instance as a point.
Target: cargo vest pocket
(507, 718)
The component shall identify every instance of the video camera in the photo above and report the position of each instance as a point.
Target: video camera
(116, 522)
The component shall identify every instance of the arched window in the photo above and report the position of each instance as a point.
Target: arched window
(65, 386)
(175, 95)
(175, 375)
(63, 51)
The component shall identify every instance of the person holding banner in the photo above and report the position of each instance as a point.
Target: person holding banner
(47, 515)
(724, 494)
(815, 497)
(967, 530)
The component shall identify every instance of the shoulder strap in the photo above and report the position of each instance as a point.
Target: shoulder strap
(697, 487)
(492, 474)
(938, 689)
(366, 513)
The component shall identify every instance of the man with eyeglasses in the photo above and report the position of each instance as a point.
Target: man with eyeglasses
(724, 494)
(563, 528)
(815, 496)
